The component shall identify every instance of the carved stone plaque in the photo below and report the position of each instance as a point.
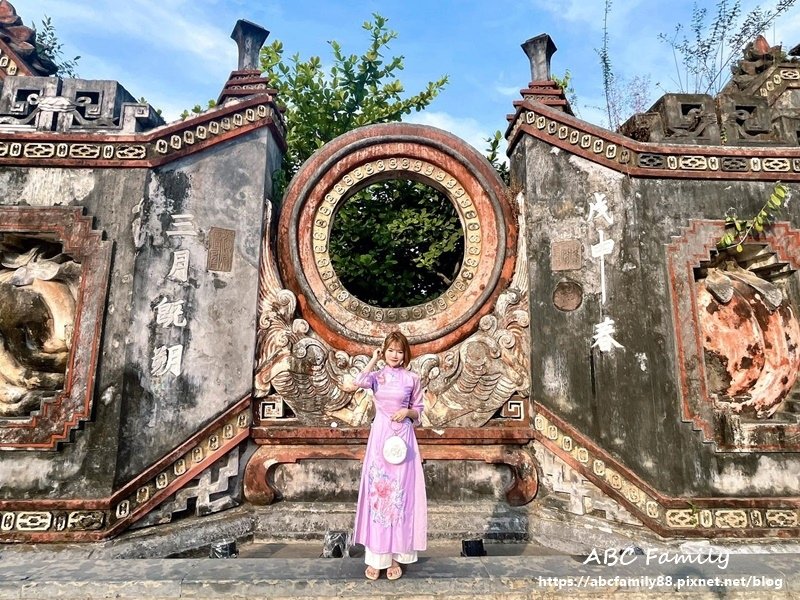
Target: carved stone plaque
(566, 255)
(220, 249)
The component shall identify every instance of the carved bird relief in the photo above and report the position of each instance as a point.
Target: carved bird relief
(295, 365)
(465, 386)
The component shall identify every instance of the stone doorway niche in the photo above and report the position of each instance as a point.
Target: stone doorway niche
(470, 344)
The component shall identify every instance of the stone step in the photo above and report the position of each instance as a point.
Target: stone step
(297, 521)
(754, 577)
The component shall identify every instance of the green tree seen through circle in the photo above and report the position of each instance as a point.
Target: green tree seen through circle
(397, 243)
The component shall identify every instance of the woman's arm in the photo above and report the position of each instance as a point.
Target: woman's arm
(416, 401)
(365, 379)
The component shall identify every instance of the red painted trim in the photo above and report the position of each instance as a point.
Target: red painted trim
(107, 504)
(666, 150)
(148, 139)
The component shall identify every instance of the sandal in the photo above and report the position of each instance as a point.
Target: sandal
(372, 573)
(394, 572)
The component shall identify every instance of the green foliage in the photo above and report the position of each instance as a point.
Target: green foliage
(493, 156)
(608, 71)
(739, 230)
(702, 56)
(143, 100)
(49, 48)
(356, 90)
(197, 109)
(397, 243)
(623, 96)
(565, 83)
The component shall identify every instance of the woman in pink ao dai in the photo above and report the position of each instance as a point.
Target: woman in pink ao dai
(392, 512)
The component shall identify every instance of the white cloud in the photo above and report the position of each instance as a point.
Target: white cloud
(157, 26)
(589, 12)
(511, 91)
(468, 129)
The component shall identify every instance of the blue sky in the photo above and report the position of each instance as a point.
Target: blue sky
(178, 53)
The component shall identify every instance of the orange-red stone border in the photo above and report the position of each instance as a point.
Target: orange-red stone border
(142, 150)
(260, 467)
(375, 153)
(87, 520)
(641, 159)
(711, 517)
(683, 254)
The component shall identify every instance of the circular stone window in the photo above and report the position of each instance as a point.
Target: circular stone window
(369, 156)
(397, 243)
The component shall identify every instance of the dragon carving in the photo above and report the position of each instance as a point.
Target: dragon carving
(465, 385)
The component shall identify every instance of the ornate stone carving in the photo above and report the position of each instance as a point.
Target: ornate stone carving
(757, 57)
(629, 498)
(38, 295)
(396, 151)
(751, 334)
(217, 488)
(21, 40)
(58, 308)
(53, 104)
(466, 384)
(739, 353)
(753, 109)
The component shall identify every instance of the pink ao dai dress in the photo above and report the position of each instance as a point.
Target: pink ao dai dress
(392, 512)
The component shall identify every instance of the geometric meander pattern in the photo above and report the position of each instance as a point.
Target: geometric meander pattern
(155, 147)
(668, 516)
(210, 493)
(112, 515)
(627, 155)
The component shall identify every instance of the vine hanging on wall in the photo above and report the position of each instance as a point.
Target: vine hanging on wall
(737, 231)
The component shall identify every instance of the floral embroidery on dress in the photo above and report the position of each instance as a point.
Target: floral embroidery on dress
(386, 497)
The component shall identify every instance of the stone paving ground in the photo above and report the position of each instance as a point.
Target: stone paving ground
(293, 571)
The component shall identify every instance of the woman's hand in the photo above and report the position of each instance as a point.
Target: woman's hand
(376, 354)
(404, 413)
(348, 385)
(400, 415)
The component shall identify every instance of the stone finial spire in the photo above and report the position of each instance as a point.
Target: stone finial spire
(247, 79)
(539, 50)
(249, 37)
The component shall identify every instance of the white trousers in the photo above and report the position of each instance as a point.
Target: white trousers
(384, 561)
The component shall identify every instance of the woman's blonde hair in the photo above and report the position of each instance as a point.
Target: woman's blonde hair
(396, 336)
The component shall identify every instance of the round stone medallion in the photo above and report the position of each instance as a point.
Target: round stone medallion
(396, 151)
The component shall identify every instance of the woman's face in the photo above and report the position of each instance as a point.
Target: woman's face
(394, 355)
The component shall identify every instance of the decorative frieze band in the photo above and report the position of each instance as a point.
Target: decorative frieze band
(719, 517)
(153, 148)
(651, 160)
(84, 520)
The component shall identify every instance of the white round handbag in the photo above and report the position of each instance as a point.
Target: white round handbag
(394, 449)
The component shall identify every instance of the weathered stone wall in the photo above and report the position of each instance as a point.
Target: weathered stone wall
(140, 417)
(86, 467)
(628, 400)
(223, 189)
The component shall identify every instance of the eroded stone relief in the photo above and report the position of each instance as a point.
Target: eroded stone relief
(299, 375)
(38, 295)
(750, 332)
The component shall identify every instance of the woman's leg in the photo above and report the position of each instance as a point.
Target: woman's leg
(405, 558)
(375, 563)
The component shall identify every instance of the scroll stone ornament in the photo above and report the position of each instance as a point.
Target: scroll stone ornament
(465, 385)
